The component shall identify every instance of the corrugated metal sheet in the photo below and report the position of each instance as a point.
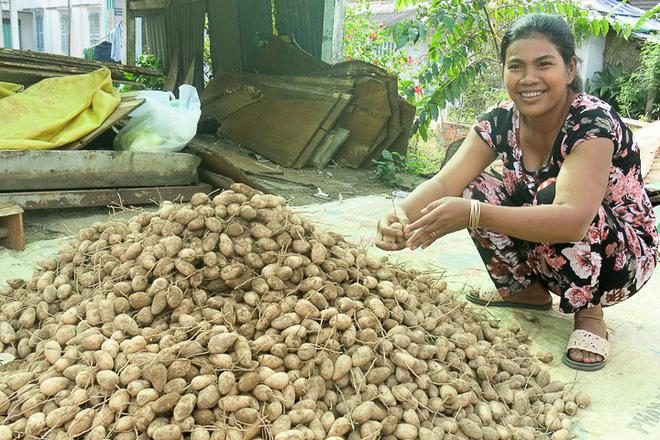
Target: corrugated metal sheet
(176, 35)
(236, 28)
(302, 20)
(623, 12)
(643, 4)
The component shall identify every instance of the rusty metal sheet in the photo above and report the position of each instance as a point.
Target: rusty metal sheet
(236, 28)
(101, 197)
(46, 170)
(302, 20)
(176, 36)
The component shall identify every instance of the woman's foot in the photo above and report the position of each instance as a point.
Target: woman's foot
(590, 320)
(534, 294)
(535, 297)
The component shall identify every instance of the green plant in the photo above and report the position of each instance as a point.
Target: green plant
(464, 40)
(148, 82)
(606, 84)
(421, 160)
(638, 97)
(206, 55)
(424, 157)
(367, 41)
(477, 98)
(388, 168)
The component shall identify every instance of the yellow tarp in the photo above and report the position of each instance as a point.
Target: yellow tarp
(8, 89)
(56, 111)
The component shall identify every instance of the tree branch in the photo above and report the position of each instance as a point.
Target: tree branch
(492, 31)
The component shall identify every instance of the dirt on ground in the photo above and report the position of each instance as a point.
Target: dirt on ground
(331, 184)
(312, 187)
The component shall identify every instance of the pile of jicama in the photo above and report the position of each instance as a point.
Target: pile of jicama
(234, 318)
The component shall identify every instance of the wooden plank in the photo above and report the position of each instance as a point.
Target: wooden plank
(127, 105)
(328, 123)
(22, 170)
(47, 61)
(12, 236)
(400, 144)
(367, 123)
(226, 152)
(130, 36)
(267, 126)
(225, 84)
(215, 162)
(298, 86)
(393, 126)
(328, 31)
(215, 180)
(27, 77)
(7, 210)
(326, 150)
(648, 139)
(278, 57)
(223, 105)
(276, 186)
(360, 69)
(30, 200)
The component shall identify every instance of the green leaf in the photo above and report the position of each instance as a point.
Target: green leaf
(415, 126)
(400, 36)
(605, 26)
(648, 14)
(627, 32)
(413, 34)
(448, 22)
(423, 131)
(434, 112)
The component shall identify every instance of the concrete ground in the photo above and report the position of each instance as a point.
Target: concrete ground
(625, 394)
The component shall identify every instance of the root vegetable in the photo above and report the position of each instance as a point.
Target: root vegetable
(237, 314)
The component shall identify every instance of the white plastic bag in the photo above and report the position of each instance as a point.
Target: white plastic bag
(162, 123)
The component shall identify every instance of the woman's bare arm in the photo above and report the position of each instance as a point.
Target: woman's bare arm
(471, 158)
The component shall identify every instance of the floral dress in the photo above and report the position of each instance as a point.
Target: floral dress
(620, 250)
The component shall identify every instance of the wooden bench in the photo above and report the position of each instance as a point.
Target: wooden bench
(11, 227)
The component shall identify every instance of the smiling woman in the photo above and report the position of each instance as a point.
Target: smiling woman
(570, 216)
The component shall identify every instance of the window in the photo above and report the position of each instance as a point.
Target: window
(39, 24)
(64, 32)
(6, 32)
(94, 27)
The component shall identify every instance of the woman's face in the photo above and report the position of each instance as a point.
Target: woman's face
(536, 76)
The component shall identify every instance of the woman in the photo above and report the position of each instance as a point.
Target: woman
(570, 217)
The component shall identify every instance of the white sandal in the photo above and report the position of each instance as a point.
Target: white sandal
(587, 341)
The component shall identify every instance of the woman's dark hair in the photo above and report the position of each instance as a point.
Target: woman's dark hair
(549, 26)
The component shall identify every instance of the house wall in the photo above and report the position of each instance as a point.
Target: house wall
(52, 11)
(26, 30)
(590, 55)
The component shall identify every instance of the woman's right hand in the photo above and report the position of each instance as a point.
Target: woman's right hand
(391, 238)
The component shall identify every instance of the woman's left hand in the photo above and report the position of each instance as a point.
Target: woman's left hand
(439, 218)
